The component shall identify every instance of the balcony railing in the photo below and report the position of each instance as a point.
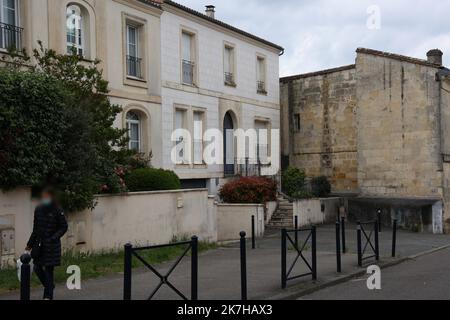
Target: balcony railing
(10, 37)
(229, 78)
(188, 72)
(261, 87)
(134, 67)
(246, 167)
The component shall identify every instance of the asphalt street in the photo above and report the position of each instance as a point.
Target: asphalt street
(424, 278)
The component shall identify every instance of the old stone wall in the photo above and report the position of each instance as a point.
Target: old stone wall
(324, 142)
(398, 128)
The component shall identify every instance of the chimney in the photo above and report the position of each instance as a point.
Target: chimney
(435, 56)
(210, 10)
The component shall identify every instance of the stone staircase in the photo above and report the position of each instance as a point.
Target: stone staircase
(284, 216)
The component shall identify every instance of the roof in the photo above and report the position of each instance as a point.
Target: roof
(317, 73)
(397, 57)
(151, 3)
(220, 23)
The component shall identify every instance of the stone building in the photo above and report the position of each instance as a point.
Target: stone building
(170, 67)
(379, 129)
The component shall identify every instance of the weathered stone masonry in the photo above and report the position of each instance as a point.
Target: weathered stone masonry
(379, 128)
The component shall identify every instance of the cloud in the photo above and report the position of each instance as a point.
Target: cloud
(324, 34)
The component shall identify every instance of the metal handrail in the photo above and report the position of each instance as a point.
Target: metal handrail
(10, 36)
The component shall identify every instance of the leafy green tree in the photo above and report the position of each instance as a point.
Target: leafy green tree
(56, 126)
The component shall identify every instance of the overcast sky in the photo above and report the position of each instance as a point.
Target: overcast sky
(321, 34)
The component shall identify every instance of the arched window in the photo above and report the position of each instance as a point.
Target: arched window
(134, 131)
(75, 30)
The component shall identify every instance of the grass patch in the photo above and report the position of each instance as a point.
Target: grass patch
(98, 265)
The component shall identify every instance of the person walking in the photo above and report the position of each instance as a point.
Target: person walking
(49, 227)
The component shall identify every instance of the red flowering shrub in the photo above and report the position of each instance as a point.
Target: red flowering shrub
(249, 190)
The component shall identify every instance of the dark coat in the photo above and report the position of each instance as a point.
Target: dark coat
(48, 228)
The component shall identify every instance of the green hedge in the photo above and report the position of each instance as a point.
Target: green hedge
(150, 179)
(321, 187)
(293, 183)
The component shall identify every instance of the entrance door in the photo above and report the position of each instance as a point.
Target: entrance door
(228, 144)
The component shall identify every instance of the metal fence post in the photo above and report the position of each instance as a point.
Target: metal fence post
(127, 272)
(194, 269)
(283, 258)
(394, 238)
(296, 232)
(243, 267)
(314, 252)
(377, 245)
(25, 277)
(358, 233)
(338, 247)
(253, 233)
(246, 166)
(344, 247)
(379, 219)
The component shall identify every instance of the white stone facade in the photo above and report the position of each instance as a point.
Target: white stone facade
(155, 93)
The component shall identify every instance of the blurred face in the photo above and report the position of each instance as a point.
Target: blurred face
(46, 198)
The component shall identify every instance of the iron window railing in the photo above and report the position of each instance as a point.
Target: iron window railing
(188, 72)
(261, 85)
(229, 78)
(134, 67)
(10, 37)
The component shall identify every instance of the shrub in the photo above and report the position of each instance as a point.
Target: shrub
(294, 183)
(56, 127)
(249, 190)
(321, 187)
(150, 179)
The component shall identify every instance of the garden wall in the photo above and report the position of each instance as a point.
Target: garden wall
(143, 218)
(234, 218)
(316, 211)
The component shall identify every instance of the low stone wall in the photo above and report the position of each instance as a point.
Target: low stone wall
(316, 211)
(145, 218)
(271, 207)
(234, 218)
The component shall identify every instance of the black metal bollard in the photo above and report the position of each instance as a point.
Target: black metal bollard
(358, 234)
(344, 247)
(283, 258)
(377, 244)
(296, 231)
(314, 252)
(243, 267)
(25, 277)
(379, 219)
(338, 247)
(394, 238)
(127, 269)
(194, 268)
(253, 233)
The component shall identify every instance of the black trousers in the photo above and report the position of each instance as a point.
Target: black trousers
(46, 277)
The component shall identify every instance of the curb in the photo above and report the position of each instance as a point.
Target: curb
(297, 292)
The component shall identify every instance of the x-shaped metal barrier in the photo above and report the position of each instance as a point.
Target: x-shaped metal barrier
(163, 278)
(362, 230)
(285, 237)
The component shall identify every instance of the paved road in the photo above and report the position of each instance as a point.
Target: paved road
(219, 270)
(427, 277)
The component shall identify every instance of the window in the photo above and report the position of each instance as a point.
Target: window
(228, 62)
(198, 137)
(10, 33)
(180, 123)
(261, 75)
(188, 63)
(262, 147)
(297, 124)
(134, 131)
(133, 59)
(75, 32)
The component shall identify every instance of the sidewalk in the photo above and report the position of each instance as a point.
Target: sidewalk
(219, 270)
